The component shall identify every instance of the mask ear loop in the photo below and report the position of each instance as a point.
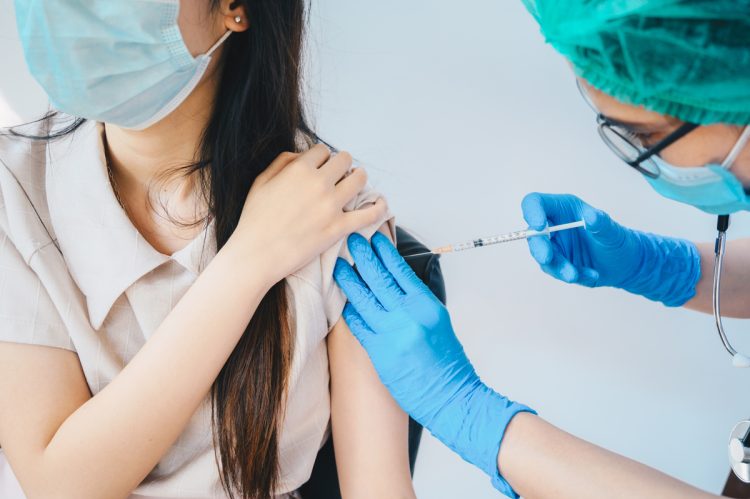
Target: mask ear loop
(737, 149)
(203, 61)
(218, 43)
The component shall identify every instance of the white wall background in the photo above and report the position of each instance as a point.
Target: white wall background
(460, 109)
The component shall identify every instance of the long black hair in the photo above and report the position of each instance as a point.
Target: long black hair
(258, 115)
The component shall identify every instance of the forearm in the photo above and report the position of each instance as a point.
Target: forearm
(109, 445)
(542, 461)
(735, 280)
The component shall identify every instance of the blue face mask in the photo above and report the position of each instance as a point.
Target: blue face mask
(122, 62)
(711, 188)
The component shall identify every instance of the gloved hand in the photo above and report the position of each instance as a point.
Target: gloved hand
(607, 254)
(408, 335)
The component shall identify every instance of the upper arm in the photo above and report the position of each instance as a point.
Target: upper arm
(370, 430)
(41, 380)
(40, 387)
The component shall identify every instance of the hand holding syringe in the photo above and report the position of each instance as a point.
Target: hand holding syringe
(499, 239)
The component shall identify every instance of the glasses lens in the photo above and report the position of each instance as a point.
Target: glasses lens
(648, 167)
(628, 148)
(624, 147)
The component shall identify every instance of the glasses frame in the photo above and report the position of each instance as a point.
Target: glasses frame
(605, 125)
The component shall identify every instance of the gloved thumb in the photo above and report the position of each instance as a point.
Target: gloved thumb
(534, 208)
(602, 228)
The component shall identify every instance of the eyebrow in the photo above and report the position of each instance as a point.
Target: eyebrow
(638, 127)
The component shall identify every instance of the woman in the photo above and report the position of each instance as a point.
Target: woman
(670, 82)
(174, 329)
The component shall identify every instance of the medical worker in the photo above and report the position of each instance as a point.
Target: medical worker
(670, 83)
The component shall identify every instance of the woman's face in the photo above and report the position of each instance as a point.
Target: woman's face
(704, 145)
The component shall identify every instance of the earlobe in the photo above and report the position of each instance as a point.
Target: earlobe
(237, 23)
(235, 17)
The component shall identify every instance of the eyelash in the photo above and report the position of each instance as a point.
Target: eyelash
(641, 137)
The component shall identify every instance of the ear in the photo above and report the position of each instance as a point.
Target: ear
(235, 16)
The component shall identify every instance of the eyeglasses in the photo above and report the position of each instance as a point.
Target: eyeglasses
(626, 144)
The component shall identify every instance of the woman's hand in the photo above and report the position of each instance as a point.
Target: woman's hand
(295, 210)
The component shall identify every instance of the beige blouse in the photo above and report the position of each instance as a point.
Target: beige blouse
(76, 274)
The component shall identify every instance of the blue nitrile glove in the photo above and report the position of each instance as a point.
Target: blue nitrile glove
(607, 254)
(408, 335)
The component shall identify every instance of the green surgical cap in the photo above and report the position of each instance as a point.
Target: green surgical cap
(685, 58)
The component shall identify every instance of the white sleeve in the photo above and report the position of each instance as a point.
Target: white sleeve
(27, 314)
(333, 297)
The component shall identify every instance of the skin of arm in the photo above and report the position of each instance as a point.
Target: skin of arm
(63, 443)
(735, 280)
(540, 460)
(370, 431)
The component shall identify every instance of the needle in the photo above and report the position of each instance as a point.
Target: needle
(499, 239)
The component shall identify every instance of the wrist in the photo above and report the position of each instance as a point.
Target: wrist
(670, 270)
(473, 425)
(251, 264)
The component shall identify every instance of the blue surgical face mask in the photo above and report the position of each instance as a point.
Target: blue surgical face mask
(122, 62)
(711, 188)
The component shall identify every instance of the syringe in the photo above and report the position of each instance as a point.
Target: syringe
(499, 239)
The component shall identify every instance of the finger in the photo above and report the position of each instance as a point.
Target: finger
(541, 210)
(357, 325)
(534, 211)
(602, 228)
(281, 162)
(356, 220)
(351, 186)
(373, 272)
(337, 167)
(588, 277)
(560, 268)
(541, 249)
(396, 265)
(315, 157)
(357, 291)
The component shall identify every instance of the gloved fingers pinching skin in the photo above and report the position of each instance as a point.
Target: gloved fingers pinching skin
(360, 296)
(396, 265)
(418, 356)
(380, 281)
(357, 324)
